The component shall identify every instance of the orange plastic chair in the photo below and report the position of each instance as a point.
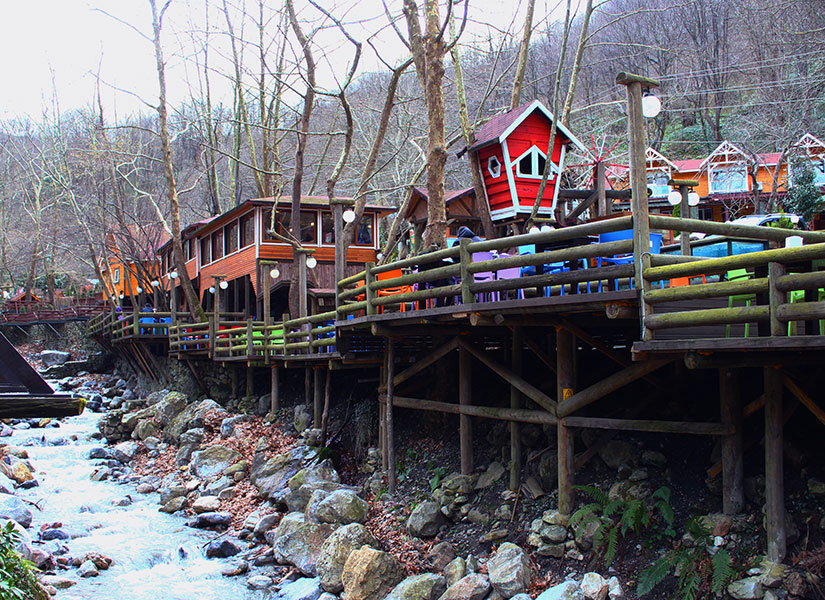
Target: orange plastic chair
(683, 281)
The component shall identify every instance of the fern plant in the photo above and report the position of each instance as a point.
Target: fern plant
(618, 518)
(17, 578)
(702, 569)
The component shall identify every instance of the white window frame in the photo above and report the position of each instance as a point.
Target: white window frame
(534, 152)
(654, 173)
(728, 168)
(116, 275)
(494, 166)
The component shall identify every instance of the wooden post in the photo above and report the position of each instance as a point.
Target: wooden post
(774, 476)
(173, 301)
(602, 208)
(318, 390)
(515, 402)
(566, 384)
(465, 395)
(274, 392)
(389, 426)
(638, 182)
(684, 211)
(369, 294)
(466, 277)
(302, 283)
(307, 385)
(340, 248)
(776, 297)
(250, 382)
(265, 286)
(733, 499)
(382, 418)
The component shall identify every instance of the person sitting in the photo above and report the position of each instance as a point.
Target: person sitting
(466, 233)
(147, 307)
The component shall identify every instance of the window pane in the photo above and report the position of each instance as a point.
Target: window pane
(309, 227)
(282, 222)
(205, 253)
(525, 165)
(657, 182)
(819, 172)
(217, 245)
(247, 229)
(231, 237)
(541, 162)
(364, 235)
(327, 228)
(729, 179)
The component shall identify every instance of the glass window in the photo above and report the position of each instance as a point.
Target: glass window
(116, 275)
(729, 179)
(819, 171)
(364, 235)
(205, 251)
(327, 229)
(230, 237)
(309, 224)
(191, 248)
(281, 223)
(494, 166)
(217, 244)
(531, 164)
(657, 183)
(247, 225)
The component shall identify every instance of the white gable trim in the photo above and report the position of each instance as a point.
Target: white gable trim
(808, 142)
(652, 155)
(725, 148)
(511, 182)
(536, 104)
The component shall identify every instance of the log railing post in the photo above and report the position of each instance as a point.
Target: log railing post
(774, 475)
(776, 298)
(566, 384)
(515, 402)
(466, 277)
(389, 429)
(369, 293)
(733, 499)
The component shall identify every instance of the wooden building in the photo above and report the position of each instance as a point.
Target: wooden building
(130, 262)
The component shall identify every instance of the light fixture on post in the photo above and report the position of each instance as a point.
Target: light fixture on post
(534, 229)
(212, 289)
(275, 273)
(674, 197)
(173, 274)
(349, 215)
(155, 283)
(693, 198)
(312, 262)
(545, 228)
(223, 284)
(139, 290)
(651, 105)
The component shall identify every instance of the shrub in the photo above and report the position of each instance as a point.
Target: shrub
(17, 578)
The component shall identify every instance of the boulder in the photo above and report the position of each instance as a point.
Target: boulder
(228, 424)
(569, 590)
(266, 523)
(271, 475)
(259, 582)
(455, 570)
(425, 519)
(156, 397)
(594, 586)
(490, 476)
(61, 583)
(336, 550)
(474, 586)
(87, 569)
(210, 519)
(212, 462)
(173, 505)
(20, 472)
(427, 586)
(298, 542)
(13, 508)
(145, 429)
(190, 417)
(616, 453)
(509, 570)
(302, 418)
(50, 358)
(205, 504)
(125, 451)
(300, 589)
(440, 556)
(221, 549)
(370, 574)
(341, 506)
(169, 407)
(749, 588)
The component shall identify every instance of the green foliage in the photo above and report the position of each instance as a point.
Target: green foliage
(803, 198)
(17, 578)
(617, 519)
(437, 478)
(701, 568)
(407, 464)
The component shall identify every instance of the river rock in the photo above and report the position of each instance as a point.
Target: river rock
(470, 587)
(210, 519)
(192, 416)
(211, 462)
(48, 535)
(12, 507)
(50, 358)
(228, 424)
(221, 549)
(266, 523)
(301, 418)
(440, 556)
(271, 475)
(427, 586)
(749, 588)
(298, 542)
(21, 473)
(174, 505)
(259, 582)
(425, 519)
(300, 589)
(99, 453)
(336, 550)
(145, 429)
(509, 570)
(206, 504)
(594, 586)
(61, 583)
(169, 407)
(341, 506)
(370, 574)
(100, 561)
(569, 590)
(616, 453)
(456, 569)
(87, 569)
(490, 476)
(125, 451)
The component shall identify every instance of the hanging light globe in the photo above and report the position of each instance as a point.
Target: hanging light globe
(693, 199)
(534, 229)
(651, 106)
(224, 284)
(173, 274)
(674, 197)
(312, 262)
(274, 273)
(212, 289)
(545, 228)
(349, 215)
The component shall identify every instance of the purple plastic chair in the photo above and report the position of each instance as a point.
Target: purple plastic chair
(484, 275)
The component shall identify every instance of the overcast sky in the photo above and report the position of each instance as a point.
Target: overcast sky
(69, 40)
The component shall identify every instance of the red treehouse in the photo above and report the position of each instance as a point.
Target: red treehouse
(511, 150)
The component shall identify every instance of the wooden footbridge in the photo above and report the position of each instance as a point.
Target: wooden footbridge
(592, 289)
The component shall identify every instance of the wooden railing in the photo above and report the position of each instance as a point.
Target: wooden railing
(35, 314)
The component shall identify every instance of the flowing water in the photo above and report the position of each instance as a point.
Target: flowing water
(156, 557)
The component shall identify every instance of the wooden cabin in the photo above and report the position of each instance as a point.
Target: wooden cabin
(130, 262)
(462, 211)
(236, 247)
(511, 150)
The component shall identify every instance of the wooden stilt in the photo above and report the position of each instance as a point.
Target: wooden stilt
(515, 402)
(233, 374)
(465, 425)
(733, 499)
(317, 396)
(325, 415)
(382, 418)
(250, 382)
(566, 384)
(274, 392)
(307, 385)
(774, 480)
(389, 428)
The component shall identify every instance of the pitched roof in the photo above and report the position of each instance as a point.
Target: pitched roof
(450, 196)
(500, 126)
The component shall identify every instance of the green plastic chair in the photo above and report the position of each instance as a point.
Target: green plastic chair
(747, 299)
(799, 296)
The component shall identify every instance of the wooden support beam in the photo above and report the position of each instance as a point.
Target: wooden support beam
(566, 387)
(607, 385)
(515, 403)
(431, 358)
(274, 392)
(521, 415)
(733, 496)
(389, 427)
(250, 377)
(382, 417)
(317, 396)
(774, 475)
(686, 427)
(547, 361)
(465, 396)
(529, 390)
(804, 398)
(307, 385)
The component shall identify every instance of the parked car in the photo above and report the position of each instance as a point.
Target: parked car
(768, 220)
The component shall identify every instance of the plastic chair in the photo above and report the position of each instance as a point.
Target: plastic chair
(483, 275)
(624, 259)
(509, 273)
(739, 275)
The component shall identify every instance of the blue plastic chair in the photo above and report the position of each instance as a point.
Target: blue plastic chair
(558, 267)
(624, 259)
